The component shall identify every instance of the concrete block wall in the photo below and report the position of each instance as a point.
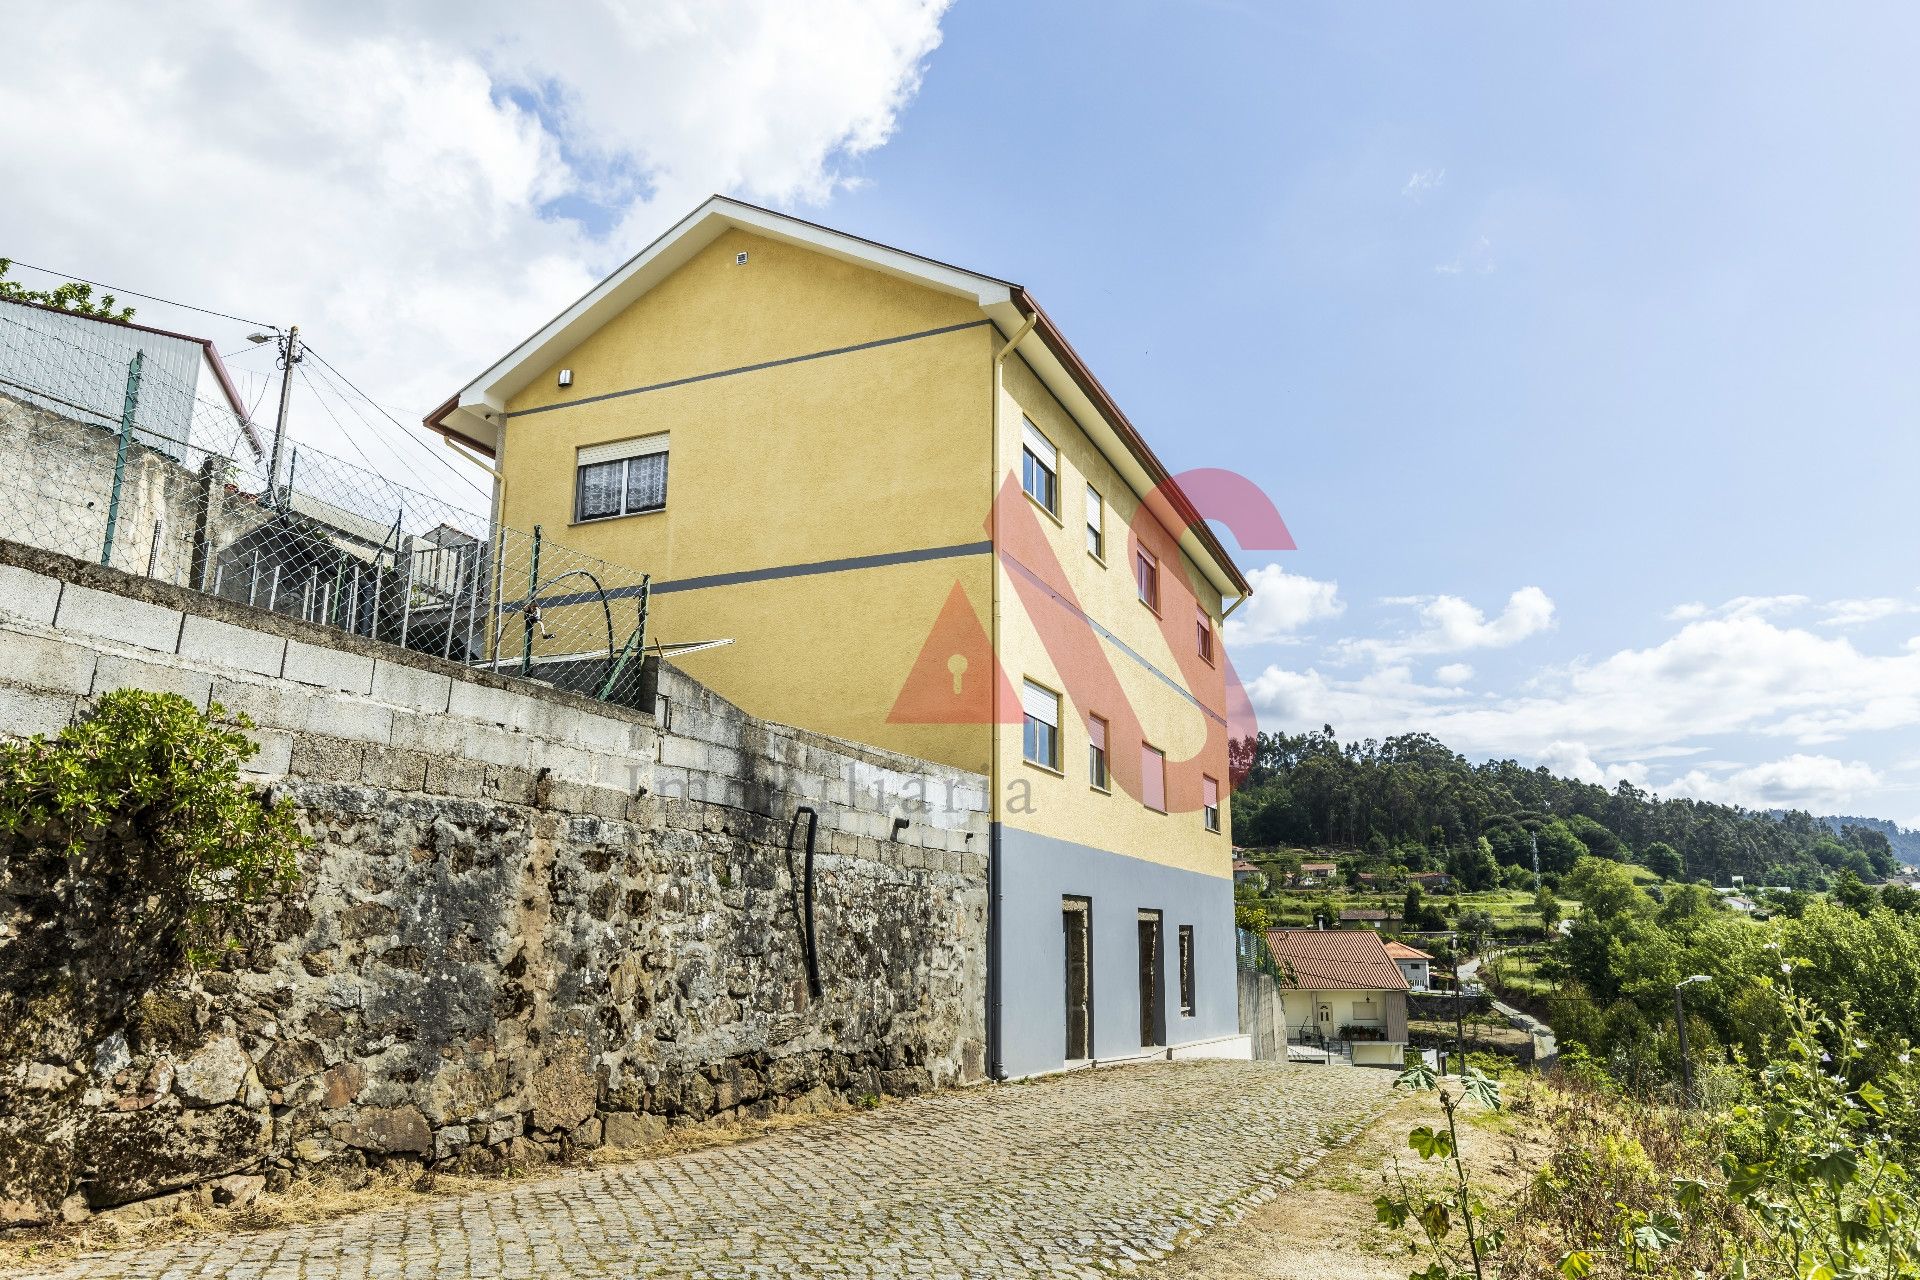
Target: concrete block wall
(528, 922)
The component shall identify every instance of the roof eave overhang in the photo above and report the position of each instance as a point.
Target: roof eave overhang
(477, 415)
(485, 398)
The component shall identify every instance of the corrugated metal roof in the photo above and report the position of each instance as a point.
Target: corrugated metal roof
(1336, 959)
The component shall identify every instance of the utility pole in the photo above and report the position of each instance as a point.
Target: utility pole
(289, 357)
(1533, 838)
(1680, 1025)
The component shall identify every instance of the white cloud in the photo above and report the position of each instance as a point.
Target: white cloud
(1282, 603)
(1454, 673)
(387, 176)
(1738, 607)
(1573, 760)
(1450, 624)
(1385, 701)
(1475, 259)
(1711, 681)
(1821, 784)
(1423, 183)
(1853, 613)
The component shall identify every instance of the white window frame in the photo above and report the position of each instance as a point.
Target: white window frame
(1041, 708)
(1210, 813)
(1159, 758)
(1096, 525)
(1044, 456)
(1147, 588)
(624, 452)
(1100, 755)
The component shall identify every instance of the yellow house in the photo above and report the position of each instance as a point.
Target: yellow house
(917, 521)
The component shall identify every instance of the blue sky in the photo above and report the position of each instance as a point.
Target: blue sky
(1576, 344)
(1619, 304)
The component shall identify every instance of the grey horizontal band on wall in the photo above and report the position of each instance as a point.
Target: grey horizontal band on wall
(750, 368)
(745, 576)
(1110, 638)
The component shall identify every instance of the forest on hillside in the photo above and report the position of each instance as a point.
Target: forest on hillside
(1411, 800)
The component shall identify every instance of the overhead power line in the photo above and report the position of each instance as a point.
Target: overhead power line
(405, 432)
(118, 291)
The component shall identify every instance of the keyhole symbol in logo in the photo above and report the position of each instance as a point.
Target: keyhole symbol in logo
(957, 664)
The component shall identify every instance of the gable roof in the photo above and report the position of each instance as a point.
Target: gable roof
(476, 413)
(1401, 951)
(1336, 960)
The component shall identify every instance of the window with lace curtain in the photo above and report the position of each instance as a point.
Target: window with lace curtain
(623, 478)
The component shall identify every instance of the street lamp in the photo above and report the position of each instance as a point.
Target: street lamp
(1680, 1023)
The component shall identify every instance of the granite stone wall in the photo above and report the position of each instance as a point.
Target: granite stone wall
(527, 924)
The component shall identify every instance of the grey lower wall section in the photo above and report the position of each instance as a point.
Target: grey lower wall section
(1036, 872)
(527, 924)
(1262, 1016)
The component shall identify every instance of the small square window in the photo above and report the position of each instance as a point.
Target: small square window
(1153, 778)
(1203, 626)
(1040, 469)
(1040, 741)
(620, 479)
(1098, 776)
(1146, 576)
(1210, 802)
(1096, 525)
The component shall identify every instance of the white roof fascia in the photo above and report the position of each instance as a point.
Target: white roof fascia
(487, 394)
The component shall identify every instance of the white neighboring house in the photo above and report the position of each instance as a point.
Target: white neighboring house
(1415, 965)
(75, 366)
(1344, 987)
(63, 391)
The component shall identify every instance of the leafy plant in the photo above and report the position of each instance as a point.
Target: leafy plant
(143, 800)
(72, 296)
(1827, 1180)
(1435, 1215)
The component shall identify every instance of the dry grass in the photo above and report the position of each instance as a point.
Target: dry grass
(322, 1198)
(1323, 1227)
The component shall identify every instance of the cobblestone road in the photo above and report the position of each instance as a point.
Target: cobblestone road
(1076, 1175)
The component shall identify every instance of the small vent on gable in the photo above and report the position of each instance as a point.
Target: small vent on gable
(740, 259)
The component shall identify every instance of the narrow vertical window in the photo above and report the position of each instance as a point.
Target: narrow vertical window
(1041, 741)
(1210, 802)
(1096, 525)
(1146, 574)
(1186, 971)
(1153, 778)
(1097, 775)
(1040, 469)
(1203, 629)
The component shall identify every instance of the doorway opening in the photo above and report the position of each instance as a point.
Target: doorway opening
(1076, 922)
(1153, 1016)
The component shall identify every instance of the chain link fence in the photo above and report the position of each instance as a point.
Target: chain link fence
(122, 445)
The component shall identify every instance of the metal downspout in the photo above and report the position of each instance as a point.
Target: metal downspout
(996, 1040)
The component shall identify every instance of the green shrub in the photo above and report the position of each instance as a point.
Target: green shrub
(143, 799)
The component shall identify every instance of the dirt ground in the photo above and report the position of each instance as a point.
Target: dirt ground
(1324, 1228)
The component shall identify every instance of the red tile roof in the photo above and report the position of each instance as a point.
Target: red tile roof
(1241, 864)
(1401, 951)
(1336, 959)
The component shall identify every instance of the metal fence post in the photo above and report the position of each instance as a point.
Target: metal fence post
(203, 564)
(406, 590)
(128, 405)
(526, 610)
